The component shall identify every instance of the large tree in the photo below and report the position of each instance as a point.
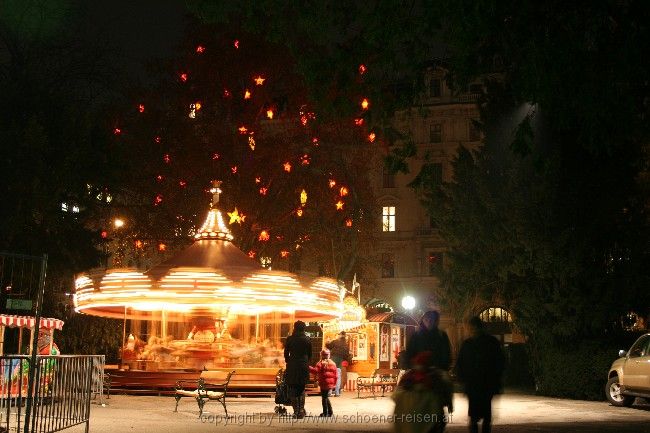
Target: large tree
(234, 109)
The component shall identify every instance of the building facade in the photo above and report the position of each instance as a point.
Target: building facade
(409, 249)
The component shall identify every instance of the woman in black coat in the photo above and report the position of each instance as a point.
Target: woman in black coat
(297, 353)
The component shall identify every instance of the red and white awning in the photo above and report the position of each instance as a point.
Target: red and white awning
(29, 322)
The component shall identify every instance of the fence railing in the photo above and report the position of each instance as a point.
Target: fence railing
(63, 387)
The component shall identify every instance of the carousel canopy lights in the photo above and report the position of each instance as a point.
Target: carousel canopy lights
(210, 275)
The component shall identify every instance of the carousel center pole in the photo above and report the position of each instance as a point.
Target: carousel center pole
(123, 339)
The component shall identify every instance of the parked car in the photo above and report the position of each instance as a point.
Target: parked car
(629, 376)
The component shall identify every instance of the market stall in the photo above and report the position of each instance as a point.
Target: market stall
(46, 331)
(377, 341)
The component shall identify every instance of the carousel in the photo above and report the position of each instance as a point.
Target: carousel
(208, 307)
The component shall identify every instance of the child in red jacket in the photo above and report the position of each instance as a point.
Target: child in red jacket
(325, 369)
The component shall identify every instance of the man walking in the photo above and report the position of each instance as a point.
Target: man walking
(480, 367)
(429, 338)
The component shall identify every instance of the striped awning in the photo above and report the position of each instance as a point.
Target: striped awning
(29, 322)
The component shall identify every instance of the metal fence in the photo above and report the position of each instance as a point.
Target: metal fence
(63, 387)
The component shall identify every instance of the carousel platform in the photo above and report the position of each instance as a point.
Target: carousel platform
(246, 382)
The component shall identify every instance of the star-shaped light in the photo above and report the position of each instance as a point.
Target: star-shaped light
(371, 137)
(247, 94)
(348, 222)
(269, 113)
(339, 205)
(264, 236)
(332, 183)
(299, 212)
(259, 80)
(258, 180)
(365, 104)
(251, 142)
(236, 217)
(284, 254)
(287, 167)
(242, 130)
(303, 197)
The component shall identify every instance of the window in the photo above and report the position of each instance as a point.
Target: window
(388, 179)
(474, 132)
(435, 88)
(475, 89)
(432, 222)
(640, 347)
(495, 314)
(387, 265)
(434, 173)
(434, 261)
(435, 133)
(388, 219)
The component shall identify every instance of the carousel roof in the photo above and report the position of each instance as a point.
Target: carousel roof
(210, 275)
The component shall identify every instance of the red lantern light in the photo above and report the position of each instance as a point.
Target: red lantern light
(141, 108)
(200, 49)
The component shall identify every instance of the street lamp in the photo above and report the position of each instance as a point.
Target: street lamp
(408, 302)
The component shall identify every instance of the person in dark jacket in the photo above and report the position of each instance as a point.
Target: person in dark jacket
(430, 339)
(340, 354)
(480, 366)
(326, 372)
(297, 352)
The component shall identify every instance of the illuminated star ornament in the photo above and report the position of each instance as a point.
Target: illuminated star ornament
(303, 197)
(287, 167)
(236, 217)
(339, 205)
(259, 80)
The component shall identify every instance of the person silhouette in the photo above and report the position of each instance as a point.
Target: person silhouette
(480, 366)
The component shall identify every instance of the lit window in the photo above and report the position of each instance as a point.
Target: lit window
(75, 209)
(495, 314)
(387, 265)
(388, 219)
(64, 207)
(435, 133)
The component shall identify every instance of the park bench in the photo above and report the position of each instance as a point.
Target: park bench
(212, 385)
(381, 378)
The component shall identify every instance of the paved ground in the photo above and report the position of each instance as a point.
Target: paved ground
(513, 413)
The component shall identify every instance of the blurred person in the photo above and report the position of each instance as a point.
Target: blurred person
(480, 367)
(429, 338)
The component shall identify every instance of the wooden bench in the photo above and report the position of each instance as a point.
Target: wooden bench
(212, 385)
(382, 378)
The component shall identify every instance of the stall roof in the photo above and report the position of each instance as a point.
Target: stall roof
(29, 322)
(393, 317)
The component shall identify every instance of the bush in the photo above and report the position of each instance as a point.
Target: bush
(518, 372)
(578, 372)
